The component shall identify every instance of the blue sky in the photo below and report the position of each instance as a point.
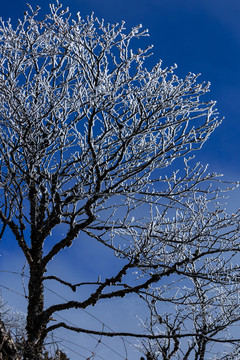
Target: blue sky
(200, 36)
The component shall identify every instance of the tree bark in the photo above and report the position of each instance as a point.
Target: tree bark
(35, 324)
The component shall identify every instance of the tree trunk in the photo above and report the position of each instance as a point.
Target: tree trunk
(35, 324)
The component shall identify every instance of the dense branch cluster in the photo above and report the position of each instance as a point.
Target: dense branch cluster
(95, 143)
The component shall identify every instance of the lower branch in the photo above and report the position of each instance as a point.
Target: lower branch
(113, 334)
(128, 334)
(72, 286)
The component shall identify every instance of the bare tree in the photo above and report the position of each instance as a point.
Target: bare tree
(11, 332)
(95, 143)
(8, 350)
(205, 314)
(13, 335)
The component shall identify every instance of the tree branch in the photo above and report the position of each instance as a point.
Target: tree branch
(20, 239)
(136, 335)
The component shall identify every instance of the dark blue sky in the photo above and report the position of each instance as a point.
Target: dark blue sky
(199, 36)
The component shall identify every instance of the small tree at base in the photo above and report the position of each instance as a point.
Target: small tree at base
(90, 141)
